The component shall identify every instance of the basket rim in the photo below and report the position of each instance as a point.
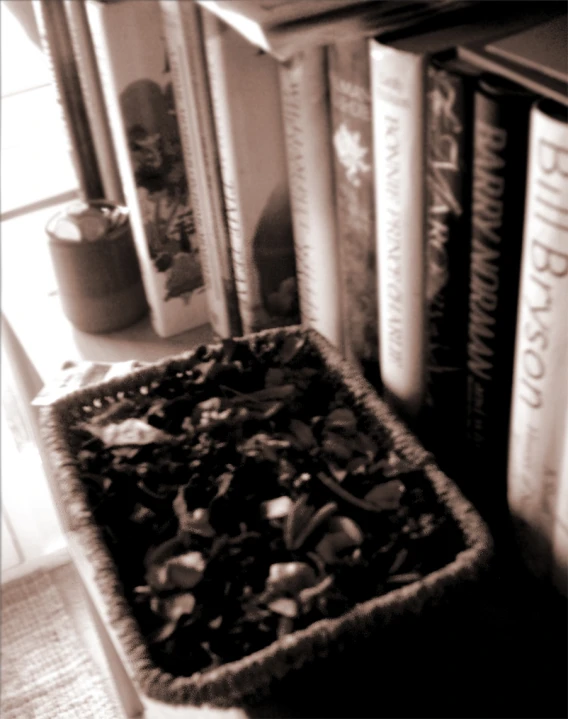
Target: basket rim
(232, 681)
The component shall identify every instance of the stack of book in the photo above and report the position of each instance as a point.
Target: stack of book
(393, 175)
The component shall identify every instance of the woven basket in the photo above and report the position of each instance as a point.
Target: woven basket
(230, 684)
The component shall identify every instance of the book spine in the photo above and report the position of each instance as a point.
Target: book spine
(187, 61)
(305, 107)
(84, 54)
(539, 414)
(56, 45)
(134, 71)
(352, 136)
(501, 117)
(250, 141)
(449, 143)
(397, 81)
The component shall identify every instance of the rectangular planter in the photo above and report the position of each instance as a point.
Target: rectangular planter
(231, 683)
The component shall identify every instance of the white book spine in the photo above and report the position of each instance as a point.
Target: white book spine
(307, 125)
(187, 59)
(132, 61)
(94, 100)
(539, 413)
(397, 81)
(250, 140)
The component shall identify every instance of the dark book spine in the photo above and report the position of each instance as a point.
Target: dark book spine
(499, 185)
(352, 137)
(450, 88)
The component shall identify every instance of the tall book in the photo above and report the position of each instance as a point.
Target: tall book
(306, 120)
(57, 46)
(137, 86)
(84, 53)
(501, 117)
(186, 51)
(398, 75)
(539, 412)
(398, 109)
(250, 139)
(450, 88)
(352, 137)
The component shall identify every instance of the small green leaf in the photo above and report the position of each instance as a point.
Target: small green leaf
(346, 536)
(337, 446)
(203, 369)
(296, 519)
(342, 419)
(284, 606)
(185, 570)
(163, 633)
(157, 577)
(363, 444)
(174, 606)
(290, 577)
(386, 496)
(129, 432)
(215, 623)
(349, 528)
(303, 433)
(306, 595)
(357, 465)
(314, 521)
(276, 508)
(194, 522)
(336, 471)
(399, 561)
(213, 404)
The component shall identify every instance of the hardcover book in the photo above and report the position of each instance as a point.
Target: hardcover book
(186, 52)
(250, 139)
(306, 121)
(137, 85)
(352, 137)
(537, 483)
(450, 87)
(501, 116)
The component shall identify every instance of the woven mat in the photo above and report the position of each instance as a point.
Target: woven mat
(47, 673)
